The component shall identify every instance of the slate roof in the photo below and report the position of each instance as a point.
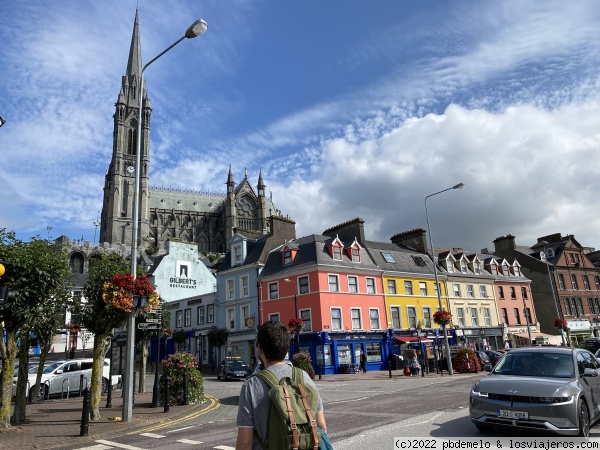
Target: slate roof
(254, 249)
(405, 259)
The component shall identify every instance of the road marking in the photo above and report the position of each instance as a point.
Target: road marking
(152, 435)
(224, 447)
(116, 444)
(181, 429)
(189, 441)
(348, 401)
(96, 447)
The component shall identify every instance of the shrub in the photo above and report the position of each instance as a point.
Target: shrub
(303, 361)
(466, 359)
(174, 367)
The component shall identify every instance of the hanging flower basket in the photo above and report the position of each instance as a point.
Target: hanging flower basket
(295, 325)
(442, 317)
(168, 333)
(561, 324)
(119, 292)
(74, 328)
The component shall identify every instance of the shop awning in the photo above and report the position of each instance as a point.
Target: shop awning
(412, 340)
(534, 335)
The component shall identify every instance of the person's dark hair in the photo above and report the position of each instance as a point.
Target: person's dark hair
(274, 339)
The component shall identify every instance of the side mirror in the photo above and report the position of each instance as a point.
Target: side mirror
(59, 371)
(590, 372)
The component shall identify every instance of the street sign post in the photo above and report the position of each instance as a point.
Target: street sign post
(148, 320)
(148, 326)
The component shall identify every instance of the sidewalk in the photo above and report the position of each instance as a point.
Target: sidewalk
(56, 423)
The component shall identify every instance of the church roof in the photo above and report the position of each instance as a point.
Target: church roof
(185, 200)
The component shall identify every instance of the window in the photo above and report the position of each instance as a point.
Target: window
(230, 289)
(456, 290)
(303, 285)
(337, 252)
(597, 278)
(500, 292)
(245, 286)
(273, 291)
(201, 315)
(494, 269)
(179, 319)
(245, 314)
(528, 316)
(449, 266)
(188, 317)
(586, 283)
(374, 315)
(287, 257)
(591, 305)
(505, 270)
(574, 307)
(524, 292)
(568, 307)
(355, 255)
(463, 266)
(356, 322)
(408, 288)
(333, 283)
(352, 284)
(412, 316)
(423, 288)
(517, 316)
(388, 257)
(371, 286)
(513, 293)
(427, 317)
(580, 306)
(482, 291)
(210, 313)
(596, 302)
(305, 316)
(419, 261)
(574, 282)
(470, 291)
(274, 317)
(374, 351)
(505, 316)
(391, 286)
(336, 319)
(237, 254)
(517, 271)
(561, 282)
(477, 267)
(395, 313)
(474, 317)
(231, 318)
(486, 317)
(461, 318)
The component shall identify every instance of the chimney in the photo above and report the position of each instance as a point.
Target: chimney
(282, 228)
(415, 239)
(504, 243)
(556, 237)
(348, 231)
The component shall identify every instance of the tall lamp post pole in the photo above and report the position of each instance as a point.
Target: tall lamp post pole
(287, 280)
(196, 29)
(437, 283)
(551, 277)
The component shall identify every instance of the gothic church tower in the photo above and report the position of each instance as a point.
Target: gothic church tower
(119, 186)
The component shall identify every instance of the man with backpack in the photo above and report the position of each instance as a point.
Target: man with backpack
(263, 420)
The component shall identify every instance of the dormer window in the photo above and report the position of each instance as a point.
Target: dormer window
(449, 266)
(337, 252)
(516, 271)
(287, 257)
(463, 266)
(477, 267)
(288, 253)
(505, 269)
(356, 255)
(237, 254)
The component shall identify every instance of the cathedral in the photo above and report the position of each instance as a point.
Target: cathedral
(206, 219)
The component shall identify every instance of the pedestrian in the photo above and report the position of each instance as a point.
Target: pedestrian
(415, 367)
(363, 362)
(273, 342)
(252, 362)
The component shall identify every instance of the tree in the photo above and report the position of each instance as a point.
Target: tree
(100, 318)
(39, 274)
(217, 337)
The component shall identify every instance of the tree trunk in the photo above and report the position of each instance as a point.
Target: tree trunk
(8, 368)
(142, 383)
(21, 397)
(43, 354)
(96, 383)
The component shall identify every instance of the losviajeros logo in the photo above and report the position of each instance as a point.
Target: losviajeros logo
(183, 276)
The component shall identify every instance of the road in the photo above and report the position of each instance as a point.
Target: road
(360, 414)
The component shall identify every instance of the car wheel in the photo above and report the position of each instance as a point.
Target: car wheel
(41, 395)
(218, 377)
(483, 427)
(584, 420)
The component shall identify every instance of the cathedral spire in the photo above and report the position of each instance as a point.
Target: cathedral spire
(134, 63)
(230, 182)
(261, 184)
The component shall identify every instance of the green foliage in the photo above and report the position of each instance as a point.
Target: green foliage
(179, 336)
(303, 361)
(174, 367)
(151, 251)
(217, 337)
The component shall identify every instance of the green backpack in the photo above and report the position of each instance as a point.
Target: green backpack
(292, 423)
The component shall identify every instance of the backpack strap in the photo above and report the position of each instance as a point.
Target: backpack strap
(268, 377)
(312, 422)
(293, 425)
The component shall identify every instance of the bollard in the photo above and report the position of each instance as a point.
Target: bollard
(167, 395)
(156, 391)
(80, 385)
(109, 391)
(185, 389)
(390, 368)
(85, 413)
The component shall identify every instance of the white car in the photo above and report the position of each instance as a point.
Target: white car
(62, 376)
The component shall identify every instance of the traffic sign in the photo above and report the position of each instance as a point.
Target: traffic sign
(152, 320)
(148, 326)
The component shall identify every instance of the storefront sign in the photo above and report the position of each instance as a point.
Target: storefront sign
(183, 276)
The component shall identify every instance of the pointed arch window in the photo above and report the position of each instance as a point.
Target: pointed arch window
(124, 198)
(131, 141)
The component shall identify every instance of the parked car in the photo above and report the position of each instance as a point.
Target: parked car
(552, 389)
(484, 360)
(60, 376)
(233, 367)
(494, 356)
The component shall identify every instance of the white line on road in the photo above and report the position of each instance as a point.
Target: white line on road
(152, 435)
(116, 444)
(181, 429)
(189, 441)
(224, 447)
(348, 401)
(96, 447)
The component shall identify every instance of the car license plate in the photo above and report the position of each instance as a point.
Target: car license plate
(240, 374)
(519, 415)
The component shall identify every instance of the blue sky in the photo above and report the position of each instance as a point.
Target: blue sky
(351, 109)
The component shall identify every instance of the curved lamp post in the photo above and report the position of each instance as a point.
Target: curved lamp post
(196, 29)
(437, 283)
(287, 280)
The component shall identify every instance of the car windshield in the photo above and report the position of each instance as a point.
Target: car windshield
(236, 365)
(536, 364)
(53, 366)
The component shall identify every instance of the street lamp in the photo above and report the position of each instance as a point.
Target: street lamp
(287, 280)
(196, 29)
(437, 284)
(2, 121)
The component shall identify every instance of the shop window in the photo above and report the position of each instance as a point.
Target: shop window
(374, 352)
